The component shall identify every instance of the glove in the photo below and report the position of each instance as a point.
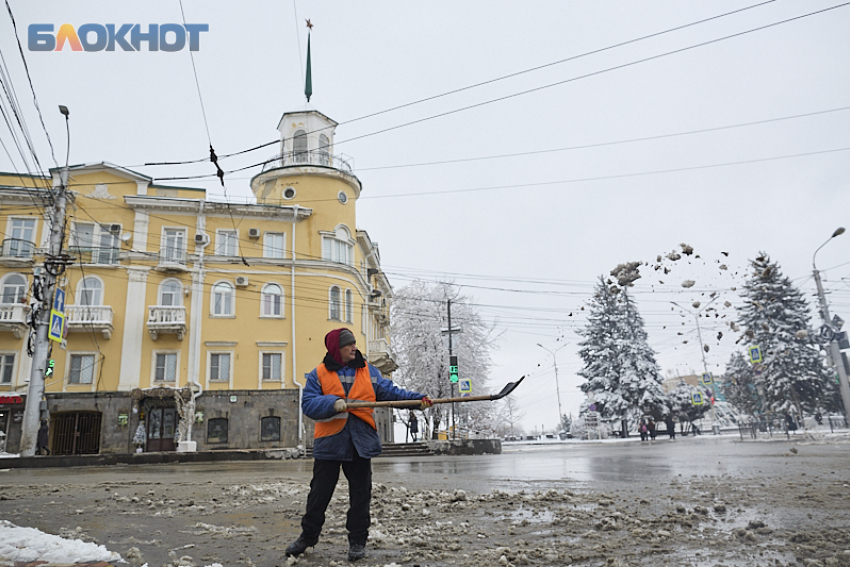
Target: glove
(339, 406)
(426, 403)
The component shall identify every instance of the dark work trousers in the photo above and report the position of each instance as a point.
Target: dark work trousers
(325, 476)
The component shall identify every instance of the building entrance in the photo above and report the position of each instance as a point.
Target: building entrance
(162, 425)
(75, 433)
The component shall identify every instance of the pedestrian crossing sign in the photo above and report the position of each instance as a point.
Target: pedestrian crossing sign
(696, 398)
(755, 354)
(57, 326)
(706, 378)
(465, 386)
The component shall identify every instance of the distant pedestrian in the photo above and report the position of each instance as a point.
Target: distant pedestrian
(819, 418)
(650, 427)
(41, 440)
(789, 421)
(671, 427)
(414, 426)
(643, 429)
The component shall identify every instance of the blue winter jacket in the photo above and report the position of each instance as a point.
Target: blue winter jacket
(357, 435)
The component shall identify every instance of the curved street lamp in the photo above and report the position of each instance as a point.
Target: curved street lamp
(834, 351)
(702, 352)
(557, 387)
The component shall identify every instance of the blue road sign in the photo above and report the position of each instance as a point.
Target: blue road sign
(59, 301)
(706, 378)
(755, 354)
(697, 399)
(465, 386)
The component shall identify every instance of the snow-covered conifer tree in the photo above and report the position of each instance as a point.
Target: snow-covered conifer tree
(619, 367)
(682, 403)
(739, 386)
(776, 318)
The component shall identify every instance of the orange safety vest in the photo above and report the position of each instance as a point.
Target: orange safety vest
(361, 391)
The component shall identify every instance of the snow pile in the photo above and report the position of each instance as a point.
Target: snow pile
(30, 544)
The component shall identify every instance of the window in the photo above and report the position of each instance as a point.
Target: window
(337, 247)
(273, 245)
(174, 245)
(220, 367)
(90, 292)
(333, 301)
(7, 368)
(217, 430)
(324, 153)
(95, 244)
(165, 367)
(222, 299)
(271, 300)
(299, 146)
(82, 369)
(349, 306)
(15, 289)
(271, 366)
(270, 428)
(22, 234)
(226, 243)
(171, 293)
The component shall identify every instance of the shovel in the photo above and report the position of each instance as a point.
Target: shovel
(510, 387)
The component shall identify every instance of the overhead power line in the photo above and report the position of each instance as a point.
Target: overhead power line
(487, 82)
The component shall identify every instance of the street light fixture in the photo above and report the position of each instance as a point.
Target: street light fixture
(834, 351)
(557, 386)
(702, 352)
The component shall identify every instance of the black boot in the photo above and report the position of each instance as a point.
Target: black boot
(356, 551)
(299, 546)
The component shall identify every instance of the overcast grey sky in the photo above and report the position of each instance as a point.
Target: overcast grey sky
(526, 235)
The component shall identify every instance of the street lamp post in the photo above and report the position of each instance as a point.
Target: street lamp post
(834, 351)
(557, 386)
(702, 352)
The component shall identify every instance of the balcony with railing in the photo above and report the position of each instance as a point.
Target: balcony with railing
(380, 355)
(166, 319)
(16, 252)
(312, 157)
(173, 259)
(97, 318)
(13, 318)
(102, 256)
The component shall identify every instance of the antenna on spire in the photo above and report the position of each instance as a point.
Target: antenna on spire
(308, 83)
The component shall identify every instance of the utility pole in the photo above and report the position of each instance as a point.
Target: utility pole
(834, 351)
(453, 370)
(704, 365)
(54, 265)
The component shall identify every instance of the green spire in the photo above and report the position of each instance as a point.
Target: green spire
(308, 86)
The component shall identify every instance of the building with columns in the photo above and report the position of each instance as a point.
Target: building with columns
(188, 316)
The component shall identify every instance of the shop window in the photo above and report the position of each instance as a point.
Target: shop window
(217, 430)
(270, 428)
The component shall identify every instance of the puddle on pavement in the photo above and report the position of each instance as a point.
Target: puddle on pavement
(524, 516)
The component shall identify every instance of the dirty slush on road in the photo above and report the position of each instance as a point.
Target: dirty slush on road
(790, 519)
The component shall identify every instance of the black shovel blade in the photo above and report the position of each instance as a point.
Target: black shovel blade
(509, 387)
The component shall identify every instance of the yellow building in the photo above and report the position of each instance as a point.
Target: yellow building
(173, 298)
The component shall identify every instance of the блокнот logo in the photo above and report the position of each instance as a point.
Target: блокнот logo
(104, 37)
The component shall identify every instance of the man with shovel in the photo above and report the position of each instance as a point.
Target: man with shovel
(345, 438)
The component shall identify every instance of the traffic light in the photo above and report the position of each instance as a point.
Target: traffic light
(453, 373)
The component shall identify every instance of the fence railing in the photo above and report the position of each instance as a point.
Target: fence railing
(95, 255)
(17, 248)
(772, 426)
(14, 312)
(312, 157)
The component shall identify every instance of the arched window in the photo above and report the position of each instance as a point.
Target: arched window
(333, 301)
(337, 246)
(299, 146)
(15, 289)
(324, 150)
(349, 306)
(171, 293)
(90, 292)
(222, 299)
(271, 300)
(270, 428)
